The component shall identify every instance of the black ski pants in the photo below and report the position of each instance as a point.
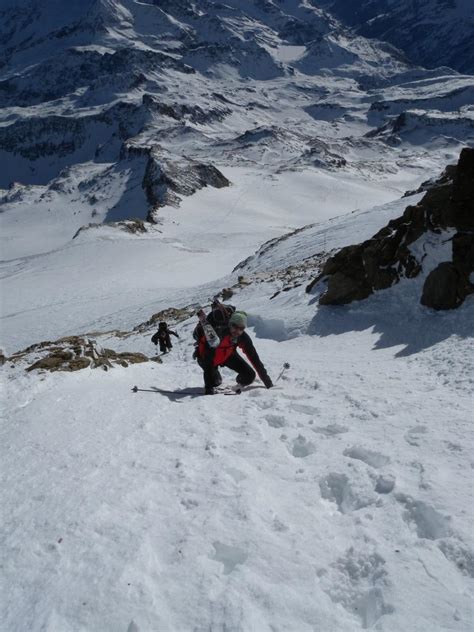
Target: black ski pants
(212, 377)
(165, 343)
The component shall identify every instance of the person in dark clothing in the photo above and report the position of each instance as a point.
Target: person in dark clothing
(162, 336)
(232, 336)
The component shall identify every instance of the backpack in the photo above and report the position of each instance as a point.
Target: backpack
(220, 316)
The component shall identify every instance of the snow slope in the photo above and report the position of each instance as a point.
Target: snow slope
(341, 499)
(107, 276)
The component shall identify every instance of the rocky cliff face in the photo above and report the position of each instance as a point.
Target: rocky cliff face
(355, 272)
(420, 29)
(165, 180)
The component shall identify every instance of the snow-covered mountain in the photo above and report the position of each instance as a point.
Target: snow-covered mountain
(156, 154)
(432, 33)
(341, 499)
(116, 109)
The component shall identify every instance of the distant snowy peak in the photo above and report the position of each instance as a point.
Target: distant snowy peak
(235, 31)
(245, 36)
(431, 33)
(143, 97)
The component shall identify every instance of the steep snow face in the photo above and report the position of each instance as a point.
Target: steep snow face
(341, 499)
(105, 278)
(420, 29)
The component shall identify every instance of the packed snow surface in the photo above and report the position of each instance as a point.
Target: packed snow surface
(339, 500)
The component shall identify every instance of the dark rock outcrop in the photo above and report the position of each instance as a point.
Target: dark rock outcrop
(416, 122)
(440, 290)
(165, 180)
(357, 271)
(134, 226)
(182, 111)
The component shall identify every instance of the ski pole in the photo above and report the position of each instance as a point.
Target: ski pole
(286, 366)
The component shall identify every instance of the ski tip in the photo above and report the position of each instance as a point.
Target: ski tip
(135, 389)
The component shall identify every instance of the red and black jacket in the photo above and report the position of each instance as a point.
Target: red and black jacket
(227, 347)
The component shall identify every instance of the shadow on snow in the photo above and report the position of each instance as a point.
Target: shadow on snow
(398, 323)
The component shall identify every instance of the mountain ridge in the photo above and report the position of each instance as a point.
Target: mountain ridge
(84, 86)
(417, 28)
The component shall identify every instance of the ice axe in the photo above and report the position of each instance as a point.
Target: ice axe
(286, 366)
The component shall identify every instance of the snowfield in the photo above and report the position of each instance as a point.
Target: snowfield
(339, 500)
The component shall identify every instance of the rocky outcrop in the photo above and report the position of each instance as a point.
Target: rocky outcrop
(57, 77)
(182, 111)
(133, 226)
(59, 136)
(165, 180)
(444, 98)
(440, 290)
(172, 315)
(73, 353)
(320, 155)
(355, 272)
(428, 123)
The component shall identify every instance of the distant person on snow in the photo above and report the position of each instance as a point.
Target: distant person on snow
(232, 335)
(162, 336)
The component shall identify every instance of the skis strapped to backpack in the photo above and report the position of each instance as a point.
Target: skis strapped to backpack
(212, 338)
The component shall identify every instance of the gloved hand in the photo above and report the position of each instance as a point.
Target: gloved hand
(195, 354)
(268, 382)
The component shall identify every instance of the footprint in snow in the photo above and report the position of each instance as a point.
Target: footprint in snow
(385, 484)
(330, 430)
(236, 474)
(229, 556)
(275, 421)
(338, 489)
(453, 447)
(357, 581)
(189, 503)
(457, 553)
(430, 524)
(264, 404)
(305, 409)
(278, 525)
(301, 447)
(413, 435)
(374, 459)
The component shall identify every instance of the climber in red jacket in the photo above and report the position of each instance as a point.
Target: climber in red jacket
(232, 337)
